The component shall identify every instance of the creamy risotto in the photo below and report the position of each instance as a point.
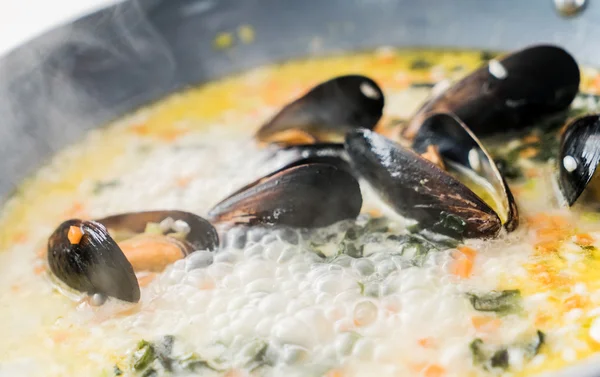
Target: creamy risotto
(371, 297)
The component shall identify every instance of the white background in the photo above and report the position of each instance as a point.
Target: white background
(21, 20)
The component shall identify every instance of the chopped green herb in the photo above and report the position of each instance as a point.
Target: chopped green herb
(193, 362)
(489, 356)
(258, 356)
(361, 285)
(500, 359)
(117, 371)
(533, 348)
(163, 350)
(450, 225)
(422, 85)
(479, 356)
(100, 186)
(501, 302)
(350, 249)
(420, 63)
(150, 372)
(509, 170)
(143, 355)
(487, 55)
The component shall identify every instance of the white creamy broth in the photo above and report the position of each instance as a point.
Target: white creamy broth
(292, 302)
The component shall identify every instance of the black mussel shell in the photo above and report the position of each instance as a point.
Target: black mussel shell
(94, 265)
(579, 156)
(202, 235)
(416, 188)
(333, 107)
(510, 93)
(325, 153)
(458, 145)
(305, 196)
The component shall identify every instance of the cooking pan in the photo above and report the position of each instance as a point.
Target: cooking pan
(83, 74)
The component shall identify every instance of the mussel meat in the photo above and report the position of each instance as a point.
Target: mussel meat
(194, 232)
(417, 188)
(509, 93)
(461, 149)
(579, 156)
(85, 257)
(309, 195)
(329, 110)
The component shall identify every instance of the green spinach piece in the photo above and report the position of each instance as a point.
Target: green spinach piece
(501, 302)
(450, 225)
(143, 356)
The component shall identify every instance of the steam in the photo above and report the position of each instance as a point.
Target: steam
(55, 88)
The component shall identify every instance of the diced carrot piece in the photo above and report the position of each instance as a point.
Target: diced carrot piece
(292, 136)
(547, 246)
(183, 181)
(20, 237)
(428, 342)
(485, 323)
(375, 212)
(584, 239)
(334, 373)
(433, 370)
(463, 263)
(470, 253)
(39, 269)
(76, 210)
(575, 302)
(531, 139)
(528, 152)
(146, 279)
(140, 129)
(75, 234)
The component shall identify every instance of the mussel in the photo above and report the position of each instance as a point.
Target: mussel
(85, 257)
(308, 195)
(328, 110)
(460, 148)
(509, 93)
(102, 256)
(417, 188)
(579, 156)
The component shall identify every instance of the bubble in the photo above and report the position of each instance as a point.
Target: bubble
(363, 267)
(198, 259)
(363, 349)
(235, 238)
(288, 235)
(344, 343)
(286, 255)
(293, 354)
(224, 257)
(268, 239)
(254, 251)
(386, 267)
(365, 313)
(294, 331)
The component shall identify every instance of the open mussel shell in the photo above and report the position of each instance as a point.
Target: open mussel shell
(94, 264)
(579, 156)
(510, 93)
(330, 109)
(460, 147)
(200, 234)
(309, 195)
(416, 188)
